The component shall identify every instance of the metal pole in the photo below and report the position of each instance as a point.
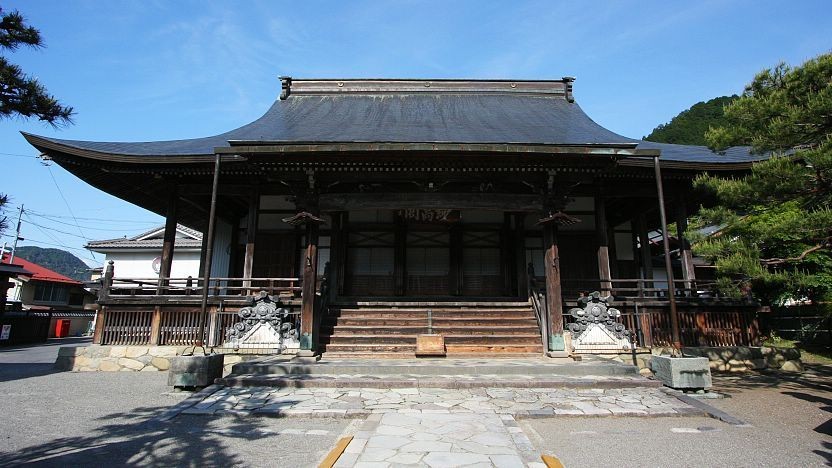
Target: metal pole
(16, 235)
(209, 252)
(671, 288)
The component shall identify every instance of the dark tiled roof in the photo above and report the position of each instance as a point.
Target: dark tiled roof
(137, 242)
(418, 116)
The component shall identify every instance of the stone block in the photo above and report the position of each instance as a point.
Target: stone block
(109, 365)
(131, 364)
(160, 363)
(164, 351)
(118, 351)
(430, 345)
(135, 351)
(792, 366)
(686, 372)
(195, 371)
(96, 351)
(81, 361)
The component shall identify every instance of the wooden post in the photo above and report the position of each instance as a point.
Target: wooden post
(213, 322)
(103, 295)
(156, 325)
(336, 245)
(671, 288)
(507, 271)
(644, 251)
(341, 252)
(602, 234)
(209, 252)
(688, 273)
(520, 253)
(399, 257)
(251, 234)
(455, 271)
(310, 277)
(553, 289)
(168, 243)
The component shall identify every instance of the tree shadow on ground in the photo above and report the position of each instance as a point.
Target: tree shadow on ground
(136, 439)
(816, 377)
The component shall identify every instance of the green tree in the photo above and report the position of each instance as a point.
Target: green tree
(689, 127)
(20, 94)
(776, 222)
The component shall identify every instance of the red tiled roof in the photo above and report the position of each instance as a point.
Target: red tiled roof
(40, 273)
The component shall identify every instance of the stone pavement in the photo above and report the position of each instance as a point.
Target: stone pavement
(520, 402)
(440, 440)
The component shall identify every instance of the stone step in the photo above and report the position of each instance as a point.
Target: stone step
(445, 330)
(480, 339)
(516, 314)
(404, 381)
(438, 322)
(535, 366)
(447, 304)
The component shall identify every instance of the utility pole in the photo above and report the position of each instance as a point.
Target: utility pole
(17, 234)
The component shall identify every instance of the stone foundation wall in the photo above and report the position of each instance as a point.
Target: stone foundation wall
(723, 359)
(128, 358)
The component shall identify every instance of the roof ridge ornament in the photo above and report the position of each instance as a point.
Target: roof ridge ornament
(285, 87)
(568, 80)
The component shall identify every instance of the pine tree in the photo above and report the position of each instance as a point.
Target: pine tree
(776, 222)
(20, 94)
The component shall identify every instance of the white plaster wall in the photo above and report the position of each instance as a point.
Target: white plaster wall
(140, 264)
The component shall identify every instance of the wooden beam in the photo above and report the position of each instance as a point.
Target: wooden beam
(393, 201)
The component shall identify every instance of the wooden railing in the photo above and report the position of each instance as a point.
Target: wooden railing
(639, 288)
(139, 287)
(538, 301)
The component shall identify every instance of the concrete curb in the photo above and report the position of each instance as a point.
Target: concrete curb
(707, 409)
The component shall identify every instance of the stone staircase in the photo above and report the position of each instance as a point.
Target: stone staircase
(470, 328)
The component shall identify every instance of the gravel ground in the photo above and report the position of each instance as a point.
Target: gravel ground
(100, 419)
(789, 417)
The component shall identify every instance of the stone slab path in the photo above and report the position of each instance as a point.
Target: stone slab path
(519, 402)
(440, 440)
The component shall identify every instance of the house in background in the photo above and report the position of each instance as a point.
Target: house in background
(141, 256)
(43, 292)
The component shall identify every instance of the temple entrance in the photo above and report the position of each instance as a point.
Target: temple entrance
(460, 255)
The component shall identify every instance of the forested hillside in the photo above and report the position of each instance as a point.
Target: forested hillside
(57, 260)
(689, 127)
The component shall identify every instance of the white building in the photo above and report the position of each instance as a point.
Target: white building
(141, 256)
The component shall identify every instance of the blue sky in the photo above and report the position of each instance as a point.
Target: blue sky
(150, 70)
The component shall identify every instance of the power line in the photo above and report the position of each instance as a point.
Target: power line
(49, 168)
(88, 228)
(29, 221)
(111, 220)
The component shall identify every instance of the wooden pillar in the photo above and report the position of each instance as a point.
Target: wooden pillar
(688, 273)
(156, 325)
(520, 253)
(336, 245)
(644, 251)
(671, 288)
(455, 272)
(602, 234)
(103, 295)
(340, 250)
(507, 271)
(251, 236)
(310, 279)
(168, 242)
(554, 300)
(399, 257)
(209, 252)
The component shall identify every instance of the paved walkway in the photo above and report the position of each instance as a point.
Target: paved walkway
(361, 402)
(440, 440)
